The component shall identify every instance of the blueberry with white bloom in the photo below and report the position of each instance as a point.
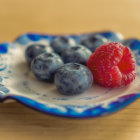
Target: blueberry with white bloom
(36, 49)
(61, 42)
(45, 65)
(93, 41)
(76, 54)
(77, 37)
(112, 36)
(73, 78)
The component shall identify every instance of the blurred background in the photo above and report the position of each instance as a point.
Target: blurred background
(68, 16)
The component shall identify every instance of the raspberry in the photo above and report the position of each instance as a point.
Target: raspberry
(112, 65)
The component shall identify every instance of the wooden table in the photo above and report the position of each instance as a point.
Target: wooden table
(68, 16)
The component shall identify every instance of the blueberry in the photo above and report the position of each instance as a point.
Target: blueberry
(73, 78)
(60, 43)
(133, 43)
(112, 36)
(45, 65)
(36, 49)
(93, 41)
(77, 37)
(76, 54)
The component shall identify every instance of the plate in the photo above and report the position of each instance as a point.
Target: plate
(18, 83)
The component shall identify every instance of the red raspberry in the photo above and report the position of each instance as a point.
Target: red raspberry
(112, 65)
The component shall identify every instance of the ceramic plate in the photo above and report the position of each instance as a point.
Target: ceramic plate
(18, 83)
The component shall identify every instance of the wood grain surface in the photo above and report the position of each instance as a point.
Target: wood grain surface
(18, 122)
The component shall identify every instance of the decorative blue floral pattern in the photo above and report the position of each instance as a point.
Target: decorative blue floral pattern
(76, 111)
(3, 48)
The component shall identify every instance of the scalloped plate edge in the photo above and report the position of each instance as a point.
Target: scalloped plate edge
(99, 110)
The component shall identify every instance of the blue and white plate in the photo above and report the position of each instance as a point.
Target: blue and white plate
(18, 83)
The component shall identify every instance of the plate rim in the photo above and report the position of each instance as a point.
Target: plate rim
(71, 112)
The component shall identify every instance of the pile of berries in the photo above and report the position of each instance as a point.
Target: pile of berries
(74, 65)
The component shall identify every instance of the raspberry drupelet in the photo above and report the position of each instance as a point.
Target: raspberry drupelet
(112, 65)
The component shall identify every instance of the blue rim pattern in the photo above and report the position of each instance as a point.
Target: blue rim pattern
(61, 110)
(26, 38)
(99, 110)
